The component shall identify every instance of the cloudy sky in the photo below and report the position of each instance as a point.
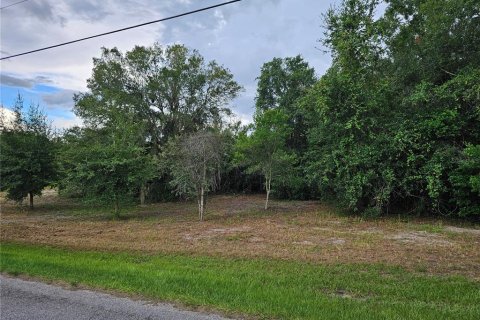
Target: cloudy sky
(241, 36)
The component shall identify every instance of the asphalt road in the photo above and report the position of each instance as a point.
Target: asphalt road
(27, 300)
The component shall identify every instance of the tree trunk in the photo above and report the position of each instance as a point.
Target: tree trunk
(199, 206)
(202, 190)
(117, 208)
(142, 194)
(31, 200)
(201, 203)
(266, 200)
(268, 181)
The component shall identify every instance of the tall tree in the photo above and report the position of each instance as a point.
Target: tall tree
(280, 84)
(170, 90)
(27, 157)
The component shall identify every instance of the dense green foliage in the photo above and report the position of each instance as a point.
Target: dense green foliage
(171, 90)
(395, 122)
(392, 125)
(282, 82)
(27, 157)
(137, 103)
(264, 151)
(107, 165)
(268, 288)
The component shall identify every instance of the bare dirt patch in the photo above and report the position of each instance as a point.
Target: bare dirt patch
(421, 237)
(463, 230)
(237, 226)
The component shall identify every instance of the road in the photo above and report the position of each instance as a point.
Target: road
(27, 300)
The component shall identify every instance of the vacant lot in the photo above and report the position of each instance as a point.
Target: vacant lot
(237, 226)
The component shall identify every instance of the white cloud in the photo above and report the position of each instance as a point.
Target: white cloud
(65, 123)
(244, 118)
(7, 117)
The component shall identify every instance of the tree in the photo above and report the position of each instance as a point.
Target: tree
(280, 84)
(170, 90)
(394, 121)
(27, 158)
(194, 162)
(264, 150)
(106, 164)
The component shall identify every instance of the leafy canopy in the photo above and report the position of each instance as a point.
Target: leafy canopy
(28, 154)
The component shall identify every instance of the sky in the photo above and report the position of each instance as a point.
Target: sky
(240, 36)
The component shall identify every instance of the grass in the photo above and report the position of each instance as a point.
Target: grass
(238, 227)
(265, 288)
(431, 228)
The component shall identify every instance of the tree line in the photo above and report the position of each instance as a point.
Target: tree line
(392, 126)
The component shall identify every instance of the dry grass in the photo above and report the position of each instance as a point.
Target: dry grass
(237, 226)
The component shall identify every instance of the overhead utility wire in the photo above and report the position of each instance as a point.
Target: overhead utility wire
(123, 29)
(13, 4)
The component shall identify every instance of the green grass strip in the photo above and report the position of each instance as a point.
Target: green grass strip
(265, 288)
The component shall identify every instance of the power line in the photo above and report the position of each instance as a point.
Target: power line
(13, 4)
(123, 29)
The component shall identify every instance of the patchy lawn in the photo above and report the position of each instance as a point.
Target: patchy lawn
(238, 227)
